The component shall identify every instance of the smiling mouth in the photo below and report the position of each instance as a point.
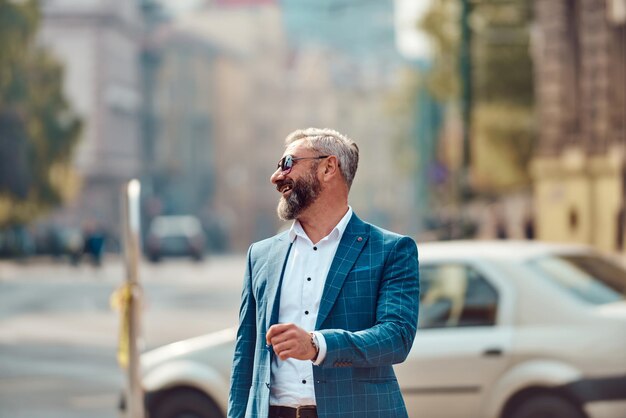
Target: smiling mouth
(285, 189)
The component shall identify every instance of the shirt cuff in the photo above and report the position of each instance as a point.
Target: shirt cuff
(322, 343)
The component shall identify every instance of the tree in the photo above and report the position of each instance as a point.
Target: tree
(503, 131)
(38, 129)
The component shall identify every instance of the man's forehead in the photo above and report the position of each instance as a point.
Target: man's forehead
(295, 147)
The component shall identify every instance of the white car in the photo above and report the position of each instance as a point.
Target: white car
(506, 330)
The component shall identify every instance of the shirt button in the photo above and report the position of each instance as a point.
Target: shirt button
(303, 382)
(308, 279)
(306, 312)
(314, 248)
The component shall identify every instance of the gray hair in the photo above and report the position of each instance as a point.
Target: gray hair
(330, 142)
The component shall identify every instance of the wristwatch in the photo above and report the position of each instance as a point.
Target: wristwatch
(315, 344)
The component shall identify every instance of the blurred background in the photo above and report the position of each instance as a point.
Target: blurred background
(476, 119)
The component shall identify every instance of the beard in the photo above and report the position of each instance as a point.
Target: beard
(304, 192)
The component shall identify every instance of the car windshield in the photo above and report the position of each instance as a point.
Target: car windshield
(175, 226)
(588, 277)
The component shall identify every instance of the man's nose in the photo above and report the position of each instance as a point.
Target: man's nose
(277, 175)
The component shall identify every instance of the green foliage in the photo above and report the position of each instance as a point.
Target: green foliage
(38, 130)
(503, 132)
(441, 23)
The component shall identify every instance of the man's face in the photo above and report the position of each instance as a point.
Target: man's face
(300, 187)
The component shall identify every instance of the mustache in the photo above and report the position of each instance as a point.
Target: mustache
(286, 182)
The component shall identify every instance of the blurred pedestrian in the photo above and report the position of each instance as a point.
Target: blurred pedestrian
(499, 222)
(94, 243)
(327, 304)
(529, 226)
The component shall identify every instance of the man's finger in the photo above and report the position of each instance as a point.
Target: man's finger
(276, 329)
(280, 347)
(284, 355)
(277, 340)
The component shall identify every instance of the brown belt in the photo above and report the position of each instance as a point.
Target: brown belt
(305, 411)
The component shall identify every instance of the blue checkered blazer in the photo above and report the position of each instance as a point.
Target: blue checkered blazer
(368, 316)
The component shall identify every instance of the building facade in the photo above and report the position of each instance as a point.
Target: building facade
(579, 170)
(180, 161)
(265, 72)
(98, 43)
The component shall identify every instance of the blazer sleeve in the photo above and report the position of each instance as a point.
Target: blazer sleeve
(243, 362)
(390, 339)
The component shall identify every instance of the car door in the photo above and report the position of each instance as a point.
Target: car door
(460, 348)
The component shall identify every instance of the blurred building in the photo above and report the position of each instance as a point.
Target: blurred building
(179, 77)
(579, 170)
(219, 68)
(343, 68)
(261, 73)
(98, 43)
(354, 28)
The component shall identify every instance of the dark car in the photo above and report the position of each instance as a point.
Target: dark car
(175, 236)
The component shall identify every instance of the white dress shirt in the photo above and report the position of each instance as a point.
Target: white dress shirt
(300, 296)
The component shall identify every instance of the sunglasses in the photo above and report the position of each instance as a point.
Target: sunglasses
(286, 163)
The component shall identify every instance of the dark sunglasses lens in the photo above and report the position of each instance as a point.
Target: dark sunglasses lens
(287, 162)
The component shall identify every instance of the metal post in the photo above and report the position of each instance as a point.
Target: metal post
(132, 315)
(465, 69)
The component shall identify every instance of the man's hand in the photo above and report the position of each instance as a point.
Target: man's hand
(290, 341)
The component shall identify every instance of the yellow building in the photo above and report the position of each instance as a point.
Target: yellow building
(579, 170)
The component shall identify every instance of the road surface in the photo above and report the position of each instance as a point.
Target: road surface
(58, 334)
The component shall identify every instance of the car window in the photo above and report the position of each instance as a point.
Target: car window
(608, 273)
(455, 295)
(175, 226)
(586, 277)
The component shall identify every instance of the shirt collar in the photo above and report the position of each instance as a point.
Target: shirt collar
(337, 232)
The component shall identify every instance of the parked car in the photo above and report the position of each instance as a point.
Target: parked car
(16, 241)
(175, 236)
(506, 330)
(60, 242)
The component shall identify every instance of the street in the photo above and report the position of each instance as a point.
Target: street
(58, 333)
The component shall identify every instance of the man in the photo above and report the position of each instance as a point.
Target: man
(328, 306)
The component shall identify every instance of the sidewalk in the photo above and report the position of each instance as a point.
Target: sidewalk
(37, 267)
(113, 269)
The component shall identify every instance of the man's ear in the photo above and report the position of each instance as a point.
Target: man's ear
(331, 166)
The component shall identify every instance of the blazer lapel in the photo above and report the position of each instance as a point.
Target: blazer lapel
(352, 242)
(277, 260)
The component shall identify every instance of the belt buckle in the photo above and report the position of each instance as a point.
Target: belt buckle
(303, 408)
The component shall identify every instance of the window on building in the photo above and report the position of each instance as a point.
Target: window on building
(571, 80)
(456, 295)
(617, 92)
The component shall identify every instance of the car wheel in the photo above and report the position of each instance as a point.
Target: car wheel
(197, 257)
(185, 403)
(547, 406)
